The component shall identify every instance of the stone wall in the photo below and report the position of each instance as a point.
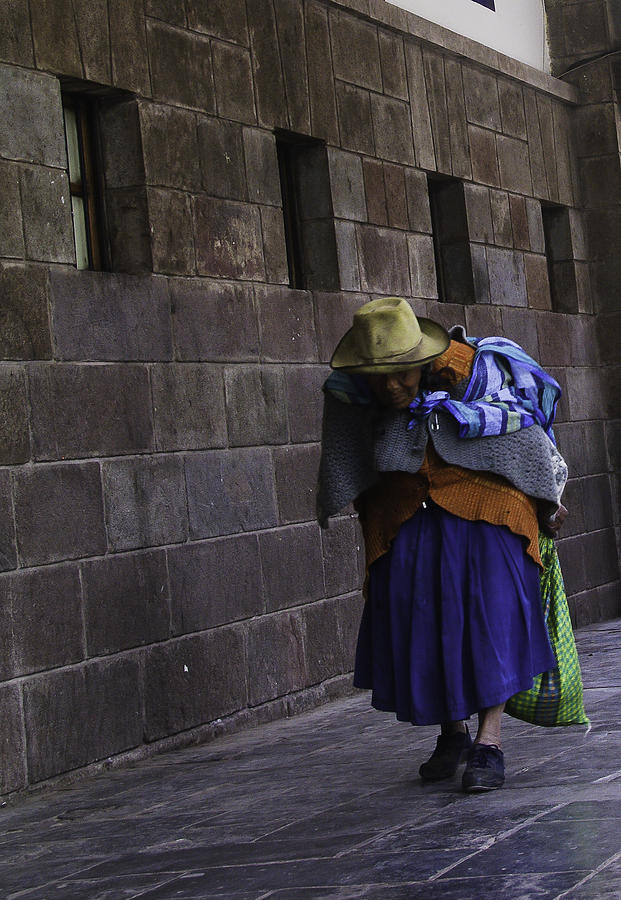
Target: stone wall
(159, 423)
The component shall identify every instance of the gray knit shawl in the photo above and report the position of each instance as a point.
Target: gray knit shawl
(360, 442)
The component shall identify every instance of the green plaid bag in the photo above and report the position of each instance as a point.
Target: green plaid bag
(556, 696)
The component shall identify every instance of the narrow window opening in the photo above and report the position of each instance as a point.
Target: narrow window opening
(307, 212)
(84, 181)
(450, 240)
(560, 257)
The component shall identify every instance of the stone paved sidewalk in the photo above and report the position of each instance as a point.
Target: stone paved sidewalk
(329, 804)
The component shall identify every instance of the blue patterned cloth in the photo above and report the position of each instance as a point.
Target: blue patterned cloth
(507, 391)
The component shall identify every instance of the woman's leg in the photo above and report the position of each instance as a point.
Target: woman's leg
(490, 720)
(485, 766)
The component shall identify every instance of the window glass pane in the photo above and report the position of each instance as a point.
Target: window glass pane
(79, 231)
(73, 147)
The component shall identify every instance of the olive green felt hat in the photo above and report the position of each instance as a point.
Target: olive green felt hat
(386, 336)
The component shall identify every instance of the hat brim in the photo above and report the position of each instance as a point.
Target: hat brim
(434, 342)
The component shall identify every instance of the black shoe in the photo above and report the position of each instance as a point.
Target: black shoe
(485, 769)
(451, 749)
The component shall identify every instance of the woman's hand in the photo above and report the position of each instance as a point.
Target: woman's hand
(552, 525)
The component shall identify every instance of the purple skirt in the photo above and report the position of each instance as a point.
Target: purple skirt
(453, 623)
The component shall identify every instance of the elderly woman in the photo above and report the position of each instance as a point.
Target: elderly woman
(445, 446)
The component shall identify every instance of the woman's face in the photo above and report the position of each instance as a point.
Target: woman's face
(397, 389)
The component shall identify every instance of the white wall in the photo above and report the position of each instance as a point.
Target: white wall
(517, 28)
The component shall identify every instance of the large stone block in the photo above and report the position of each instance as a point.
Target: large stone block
(171, 11)
(24, 316)
(422, 266)
(600, 557)
(214, 583)
(598, 511)
(230, 491)
(355, 119)
(322, 642)
(507, 279)
(41, 620)
(585, 345)
(128, 227)
(537, 281)
(514, 164)
(320, 78)
(392, 58)
(333, 315)
(181, 67)
(214, 322)
(170, 147)
(188, 406)
(396, 197)
(512, 109)
(347, 186)
(519, 222)
(478, 213)
(46, 212)
(11, 225)
(16, 40)
(355, 51)
(128, 42)
(586, 28)
(375, 191)
(255, 405)
(281, 552)
(483, 155)
(571, 556)
(433, 64)
(262, 167)
(222, 158)
(268, 77)
(483, 321)
(232, 69)
(14, 425)
(122, 142)
(585, 393)
(56, 43)
(8, 557)
(224, 19)
(535, 145)
(417, 196)
(90, 410)
(172, 245)
(535, 226)
(481, 93)
(458, 131)
(393, 129)
(145, 502)
(296, 482)
(520, 325)
(101, 701)
(228, 239)
(480, 273)
(101, 316)
(293, 48)
(194, 680)
(92, 24)
(347, 256)
(546, 123)
(304, 401)
(419, 107)
(343, 557)
(383, 261)
(58, 512)
(274, 245)
(276, 663)
(12, 747)
(501, 218)
(126, 602)
(286, 325)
